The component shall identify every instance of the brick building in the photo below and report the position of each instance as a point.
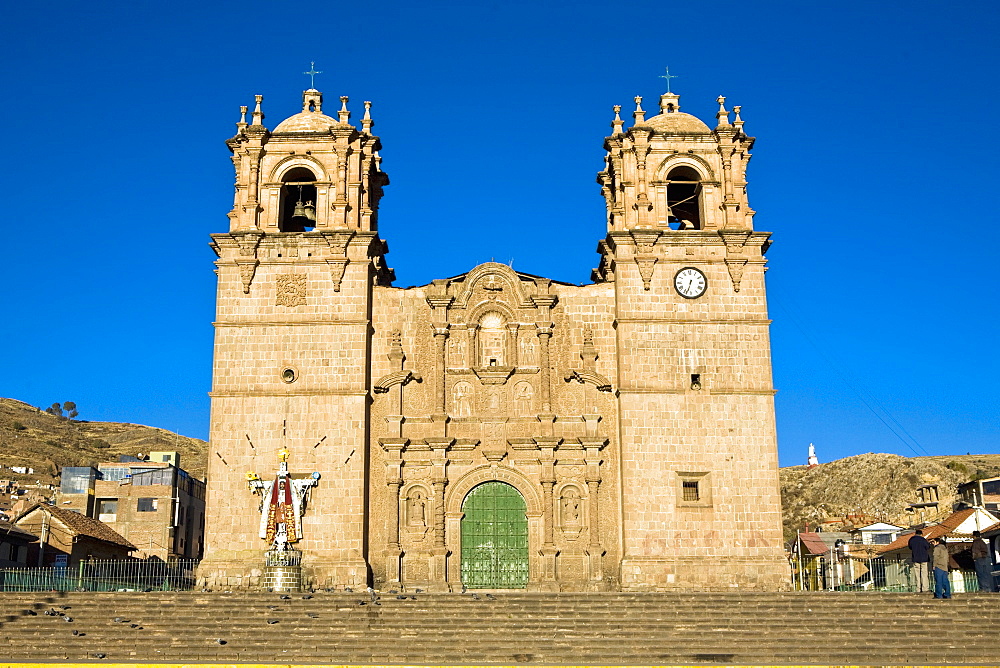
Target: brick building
(498, 429)
(14, 545)
(155, 504)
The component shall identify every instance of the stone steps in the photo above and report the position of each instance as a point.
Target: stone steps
(516, 628)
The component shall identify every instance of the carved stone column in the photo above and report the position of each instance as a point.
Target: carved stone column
(439, 322)
(545, 370)
(595, 551)
(548, 552)
(437, 568)
(543, 328)
(513, 356)
(394, 416)
(393, 552)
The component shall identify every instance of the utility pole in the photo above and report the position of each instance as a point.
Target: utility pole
(42, 540)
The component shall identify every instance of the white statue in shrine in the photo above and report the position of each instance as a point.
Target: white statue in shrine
(283, 501)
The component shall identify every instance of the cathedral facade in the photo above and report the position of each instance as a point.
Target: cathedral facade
(497, 430)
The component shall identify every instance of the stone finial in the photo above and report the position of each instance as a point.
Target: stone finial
(367, 122)
(639, 115)
(344, 115)
(258, 115)
(589, 353)
(396, 346)
(618, 122)
(670, 103)
(722, 114)
(243, 118)
(738, 122)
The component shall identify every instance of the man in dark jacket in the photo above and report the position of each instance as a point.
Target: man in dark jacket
(984, 565)
(939, 560)
(920, 555)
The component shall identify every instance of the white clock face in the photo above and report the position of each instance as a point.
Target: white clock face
(690, 283)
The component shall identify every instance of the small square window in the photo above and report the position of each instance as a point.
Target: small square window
(694, 489)
(146, 505)
(107, 510)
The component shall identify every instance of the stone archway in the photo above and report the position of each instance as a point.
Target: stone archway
(494, 537)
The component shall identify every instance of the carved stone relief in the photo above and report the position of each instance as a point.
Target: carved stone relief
(291, 290)
(524, 396)
(528, 350)
(571, 512)
(492, 403)
(457, 346)
(415, 513)
(462, 399)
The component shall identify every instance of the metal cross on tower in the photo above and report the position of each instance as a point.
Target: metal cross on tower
(312, 75)
(668, 76)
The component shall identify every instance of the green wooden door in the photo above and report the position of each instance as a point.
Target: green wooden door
(494, 538)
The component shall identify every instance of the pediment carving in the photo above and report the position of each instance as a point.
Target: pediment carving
(492, 281)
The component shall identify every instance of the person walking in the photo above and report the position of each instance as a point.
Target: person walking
(939, 559)
(984, 565)
(920, 555)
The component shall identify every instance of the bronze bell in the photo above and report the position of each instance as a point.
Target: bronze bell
(309, 211)
(300, 210)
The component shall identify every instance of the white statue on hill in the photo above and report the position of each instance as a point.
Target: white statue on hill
(813, 459)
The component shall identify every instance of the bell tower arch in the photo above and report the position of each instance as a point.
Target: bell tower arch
(296, 271)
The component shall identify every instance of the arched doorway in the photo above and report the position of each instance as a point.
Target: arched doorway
(494, 538)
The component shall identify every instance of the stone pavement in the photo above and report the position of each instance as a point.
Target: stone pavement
(501, 628)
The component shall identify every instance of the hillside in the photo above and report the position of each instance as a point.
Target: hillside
(876, 487)
(33, 438)
(869, 486)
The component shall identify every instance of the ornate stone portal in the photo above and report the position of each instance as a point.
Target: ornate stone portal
(499, 429)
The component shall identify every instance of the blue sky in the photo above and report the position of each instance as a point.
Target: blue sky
(874, 169)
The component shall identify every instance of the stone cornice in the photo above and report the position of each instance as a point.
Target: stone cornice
(288, 323)
(298, 393)
(712, 392)
(690, 321)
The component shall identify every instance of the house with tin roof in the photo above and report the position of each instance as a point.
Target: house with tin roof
(957, 530)
(66, 537)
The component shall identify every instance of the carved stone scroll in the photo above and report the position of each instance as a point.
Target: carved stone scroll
(383, 384)
(592, 377)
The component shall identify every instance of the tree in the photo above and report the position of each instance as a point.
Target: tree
(55, 409)
(71, 407)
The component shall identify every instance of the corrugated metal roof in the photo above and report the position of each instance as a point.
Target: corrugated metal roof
(821, 542)
(948, 525)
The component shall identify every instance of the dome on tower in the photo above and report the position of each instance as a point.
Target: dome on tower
(672, 120)
(306, 121)
(677, 122)
(311, 118)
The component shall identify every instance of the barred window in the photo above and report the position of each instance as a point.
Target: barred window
(690, 490)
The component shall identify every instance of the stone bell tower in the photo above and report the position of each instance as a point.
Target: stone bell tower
(699, 466)
(291, 372)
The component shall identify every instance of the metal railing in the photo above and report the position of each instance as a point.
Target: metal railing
(283, 558)
(835, 572)
(103, 575)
